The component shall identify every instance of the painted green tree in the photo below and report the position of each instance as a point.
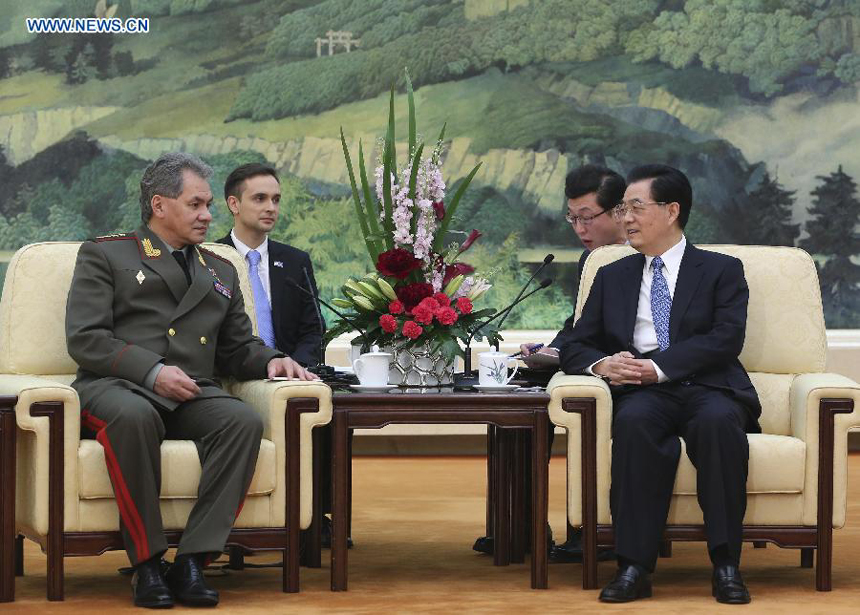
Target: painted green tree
(767, 217)
(832, 232)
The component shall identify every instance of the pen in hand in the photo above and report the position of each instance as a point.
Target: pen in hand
(532, 348)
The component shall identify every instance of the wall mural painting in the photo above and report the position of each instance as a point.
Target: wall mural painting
(756, 100)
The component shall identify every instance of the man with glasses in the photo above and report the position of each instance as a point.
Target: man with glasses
(592, 191)
(665, 328)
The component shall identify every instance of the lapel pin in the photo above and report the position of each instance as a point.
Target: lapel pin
(140, 277)
(278, 264)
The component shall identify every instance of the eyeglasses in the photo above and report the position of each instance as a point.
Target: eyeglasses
(636, 207)
(584, 220)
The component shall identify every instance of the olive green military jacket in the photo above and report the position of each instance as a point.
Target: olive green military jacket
(130, 308)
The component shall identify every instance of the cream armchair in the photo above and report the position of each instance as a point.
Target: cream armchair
(64, 497)
(797, 479)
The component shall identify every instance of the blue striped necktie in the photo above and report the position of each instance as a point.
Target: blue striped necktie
(261, 301)
(661, 303)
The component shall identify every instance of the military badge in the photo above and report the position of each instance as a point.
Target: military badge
(140, 277)
(223, 289)
(149, 250)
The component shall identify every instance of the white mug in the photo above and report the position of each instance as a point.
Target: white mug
(493, 368)
(372, 368)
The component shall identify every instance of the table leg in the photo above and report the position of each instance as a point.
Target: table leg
(518, 503)
(502, 496)
(540, 501)
(491, 477)
(340, 507)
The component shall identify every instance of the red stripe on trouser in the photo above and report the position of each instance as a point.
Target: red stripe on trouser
(97, 425)
(127, 510)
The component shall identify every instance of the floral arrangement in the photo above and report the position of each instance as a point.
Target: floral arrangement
(420, 292)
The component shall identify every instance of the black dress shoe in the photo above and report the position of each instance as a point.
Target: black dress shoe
(629, 584)
(570, 552)
(483, 544)
(148, 587)
(185, 579)
(325, 534)
(728, 586)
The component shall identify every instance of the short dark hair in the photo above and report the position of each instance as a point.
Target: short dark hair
(164, 177)
(233, 185)
(668, 185)
(589, 178)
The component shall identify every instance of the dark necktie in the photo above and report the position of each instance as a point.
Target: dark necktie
(179, 255)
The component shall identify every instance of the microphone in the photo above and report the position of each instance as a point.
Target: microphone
(346, 319)
(320, 369)
(467, 360)
(546, 261)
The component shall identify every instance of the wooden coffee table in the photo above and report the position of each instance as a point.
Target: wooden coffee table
(508, 413)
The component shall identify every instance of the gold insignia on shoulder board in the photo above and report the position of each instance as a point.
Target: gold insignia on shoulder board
(200, 257)
(149, 250)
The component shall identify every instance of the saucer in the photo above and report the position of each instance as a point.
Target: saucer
(372, 388)
(496, 388)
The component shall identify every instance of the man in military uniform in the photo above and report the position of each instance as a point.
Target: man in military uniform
(151, 320)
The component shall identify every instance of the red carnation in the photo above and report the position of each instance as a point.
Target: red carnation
(388, 323)
(396, 307)
(412, 330)
(439, 210)
(423, 313)
(455, 269)
(446, 315)
(464, 304)
(412, 294)
(442, 299)
(397, 263)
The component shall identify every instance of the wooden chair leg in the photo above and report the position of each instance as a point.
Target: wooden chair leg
(19, 556)
(237, 558)
(666, 548)
(502, 522)
(56, 489)
(806, 557)
(759, 544)
(312, 555)
(8, 434)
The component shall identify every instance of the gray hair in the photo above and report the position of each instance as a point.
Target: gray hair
(164, 177)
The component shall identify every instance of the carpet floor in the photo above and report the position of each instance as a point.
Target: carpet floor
(415, 519)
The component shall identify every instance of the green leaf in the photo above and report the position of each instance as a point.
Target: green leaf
(439, 240)
(356, 199)
(410, 97)
(390, 137)
(370, 204)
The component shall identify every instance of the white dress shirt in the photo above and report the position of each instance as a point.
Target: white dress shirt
(263, 267)
(644, 334)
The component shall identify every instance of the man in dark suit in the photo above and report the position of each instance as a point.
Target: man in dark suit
(152, 321)
(592, 192)
(665, 328)
(286, 318)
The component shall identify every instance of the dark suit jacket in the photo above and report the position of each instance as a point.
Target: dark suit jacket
(294, 315)
(567, 328)
(707, 324)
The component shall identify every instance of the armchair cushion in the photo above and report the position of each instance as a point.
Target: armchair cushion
(180, 470)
